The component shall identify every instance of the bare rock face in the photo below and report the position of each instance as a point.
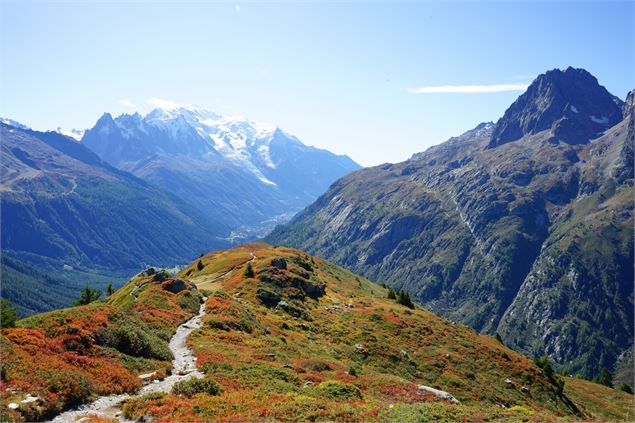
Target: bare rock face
(570, 103)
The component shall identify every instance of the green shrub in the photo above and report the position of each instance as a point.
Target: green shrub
(625, 387)
(391, 294)
(196, 386)
(73, 387)
(200, 265)
(135, 338)
(335, 390)
(249, 271)
(216, 367)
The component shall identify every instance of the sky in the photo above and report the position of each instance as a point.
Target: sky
(377, 81)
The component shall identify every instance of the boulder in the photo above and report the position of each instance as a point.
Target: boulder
(174, 286)
(279, 263)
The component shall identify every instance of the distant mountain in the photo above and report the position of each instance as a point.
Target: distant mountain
(76, 134)
(69, 219)
(523, 227)
(233, 170)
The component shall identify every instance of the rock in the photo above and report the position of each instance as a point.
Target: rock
(509, 383)
(404, 354)
(160, 276)
(270, 355)
(174, 286)
(13, 406)
(524, 390)
(287, 366)
(279, 263)
(350, 305)
(308, 383)
(438, 393)
(147, 376)
(29, 398)
(268, 331)
(267, 297)
(360, 347)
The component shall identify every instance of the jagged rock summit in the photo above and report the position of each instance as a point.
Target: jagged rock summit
(571, 104)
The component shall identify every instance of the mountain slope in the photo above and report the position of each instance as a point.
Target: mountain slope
(297, 339)
(531, 238)
(65, 212)
(233, 170)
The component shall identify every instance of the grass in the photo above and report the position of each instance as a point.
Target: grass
(331, 347)
(67, 357)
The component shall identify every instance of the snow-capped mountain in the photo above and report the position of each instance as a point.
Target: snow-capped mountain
(13, 123)
(76, 134)
(236, 170)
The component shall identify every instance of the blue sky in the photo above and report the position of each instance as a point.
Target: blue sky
(341, 76)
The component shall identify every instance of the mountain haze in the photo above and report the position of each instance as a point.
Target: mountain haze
(523, 227)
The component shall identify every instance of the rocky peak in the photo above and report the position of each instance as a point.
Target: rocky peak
(629, 105)
(570, 103)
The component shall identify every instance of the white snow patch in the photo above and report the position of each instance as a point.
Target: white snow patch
(573, 109)
(603, 120)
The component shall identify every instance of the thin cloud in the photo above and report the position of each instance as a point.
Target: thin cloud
(127, 103)
(468, 89)
(164, 104)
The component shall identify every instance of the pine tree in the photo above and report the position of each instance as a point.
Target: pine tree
(8, 314)
(249, 271)
(391, 294)
(605, 378)
(110, 290)
(403, 298)
(87, 296)
(200, 265)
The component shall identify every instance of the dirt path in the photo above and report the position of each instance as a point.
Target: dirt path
(183, 368)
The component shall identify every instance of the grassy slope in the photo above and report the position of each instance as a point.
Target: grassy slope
(272, 365)
(66, 357)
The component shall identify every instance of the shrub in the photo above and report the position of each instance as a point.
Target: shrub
(391, 294)
(200, 265)
(339, 391)
(216, 367)
(73, 387)
(196, 386)
(498, 338)
(249, 271)
(625, 387)
(136, 339)
(8, 314)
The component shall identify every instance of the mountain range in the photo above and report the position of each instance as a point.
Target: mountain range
(167, 187)
(237, 172)
(69, 219)
(523, 227)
